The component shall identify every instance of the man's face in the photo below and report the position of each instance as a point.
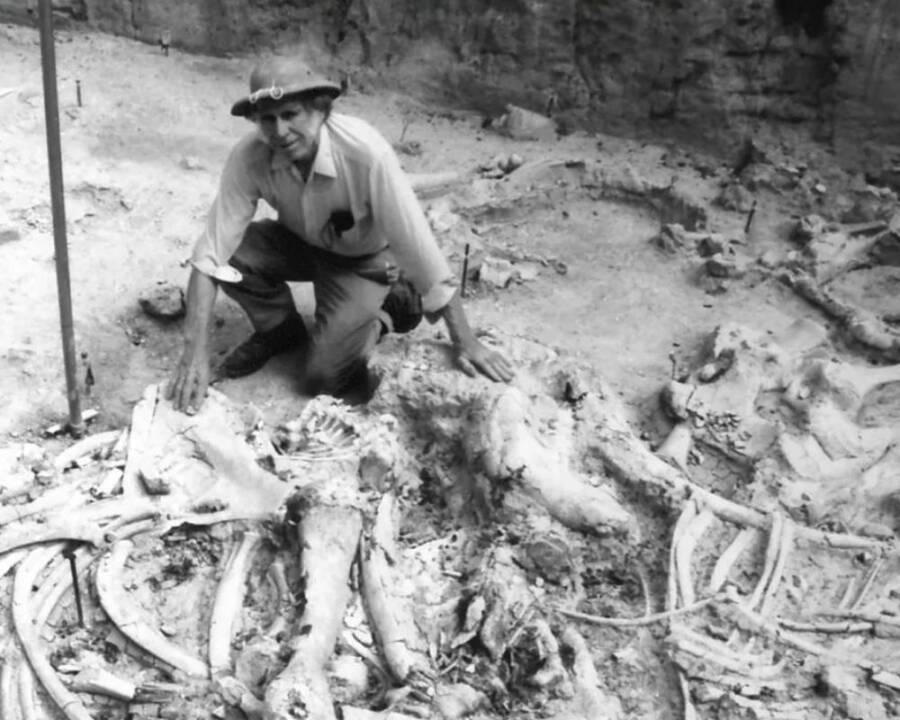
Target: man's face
(292, 129)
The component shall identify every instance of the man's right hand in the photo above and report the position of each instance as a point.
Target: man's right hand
(190, 380)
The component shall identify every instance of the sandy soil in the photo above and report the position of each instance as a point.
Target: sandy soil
(141, 157)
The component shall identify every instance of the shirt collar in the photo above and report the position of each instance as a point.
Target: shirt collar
(323, 164)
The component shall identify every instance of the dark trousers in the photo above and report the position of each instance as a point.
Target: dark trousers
(348, 292)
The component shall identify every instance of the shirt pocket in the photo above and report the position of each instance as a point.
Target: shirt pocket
(349, 233)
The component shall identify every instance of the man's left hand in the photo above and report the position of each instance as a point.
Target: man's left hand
(476, 358)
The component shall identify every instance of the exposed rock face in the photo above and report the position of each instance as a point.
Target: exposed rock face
(715, 65)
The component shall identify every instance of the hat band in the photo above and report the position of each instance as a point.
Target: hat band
(274, 92)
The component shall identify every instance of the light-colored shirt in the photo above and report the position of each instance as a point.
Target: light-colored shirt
(355, 170)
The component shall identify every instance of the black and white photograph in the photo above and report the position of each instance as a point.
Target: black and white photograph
(449, 359)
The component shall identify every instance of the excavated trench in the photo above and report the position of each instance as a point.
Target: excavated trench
(456, 548)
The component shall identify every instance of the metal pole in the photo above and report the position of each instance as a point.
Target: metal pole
(57, 198)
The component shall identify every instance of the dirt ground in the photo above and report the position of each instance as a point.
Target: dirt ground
(141, 157)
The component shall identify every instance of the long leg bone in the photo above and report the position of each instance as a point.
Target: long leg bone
(329, 534)
(228, 603)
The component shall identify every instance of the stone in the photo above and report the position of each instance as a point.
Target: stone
(349, 677)
(191, 162)
(526, 271)
(164, 301)
(523, 124)
(720, 266)
(671, 238)
(710, 245)
(549, 555)
(495, 272)
(8, 235)
(735, 196)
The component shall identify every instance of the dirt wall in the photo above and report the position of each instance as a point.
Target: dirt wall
(718, 66)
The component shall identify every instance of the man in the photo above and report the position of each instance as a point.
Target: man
(348, 221)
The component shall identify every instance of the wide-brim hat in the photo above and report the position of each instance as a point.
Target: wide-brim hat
(274, 80)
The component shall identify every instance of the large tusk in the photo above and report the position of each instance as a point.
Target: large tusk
(129, 619)
(23, 619)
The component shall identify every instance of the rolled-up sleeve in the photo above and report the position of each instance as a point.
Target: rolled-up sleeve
(397, 214)
(230, 213)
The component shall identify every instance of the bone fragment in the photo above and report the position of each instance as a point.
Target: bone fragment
(840, 437)
(773, 550)
(589, 699)
(9, 689)
(27, 699)
(430, 184)
(90, 524)
(677, 446)
(688, 513)
(745, 537)
(849, 383)
(401, 643)
(887, 679)
(57, 584)
(632, 462)
(774, 631)
(53, 499)
(84, 447)
(745, 664)
(328, 531)
(141, 422)
(285, 599)
(130, 620)
(10, 559)
(689, 711)
(837, 627)
(503, 438)
(102, 682)
(684, 553)
(23, 619)
(867, 585)
(862, 325)
(350, 712)
(649, 619)
(228, 603)
(551, 673)
(785, 545)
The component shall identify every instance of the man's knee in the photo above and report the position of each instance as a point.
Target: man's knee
(255, 249)
(333, 369)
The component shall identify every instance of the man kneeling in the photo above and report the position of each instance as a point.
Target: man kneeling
(348, 221)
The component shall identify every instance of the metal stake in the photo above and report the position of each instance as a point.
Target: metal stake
(78, 91)
(57, 198)
(465, 271)
(750, 218)
(69, 554)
